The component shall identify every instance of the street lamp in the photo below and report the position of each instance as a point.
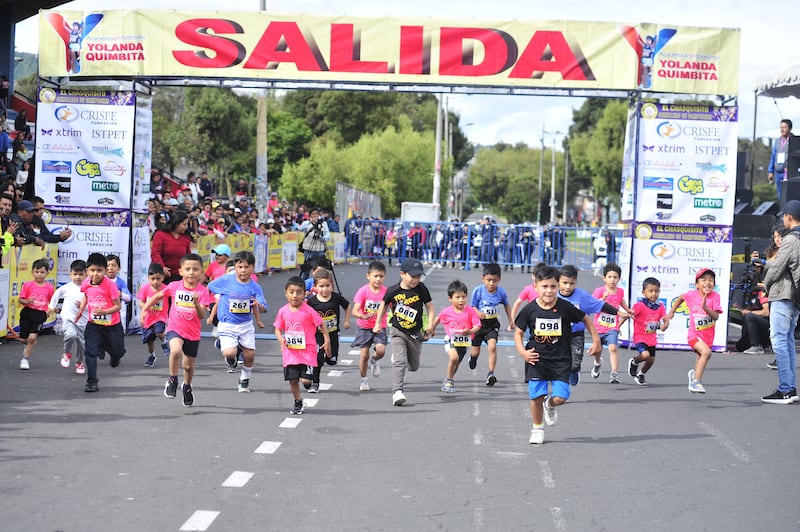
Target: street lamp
(552, 178)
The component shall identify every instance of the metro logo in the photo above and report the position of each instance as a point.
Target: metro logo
(285, 42)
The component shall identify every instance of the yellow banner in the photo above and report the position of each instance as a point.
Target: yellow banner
(411, 51)
(20, 272)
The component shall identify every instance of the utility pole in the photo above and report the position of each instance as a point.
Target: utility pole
(261, 195)
(437, 170)
(566, 177)
(539, 197)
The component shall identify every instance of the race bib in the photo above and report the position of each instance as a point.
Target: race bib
(331, 323)
(702, 323)
(607, 320)
(460, 340)
(405, 312)
(239, 306)
(295, 340)
(184, 298)
(490, 313)
(101, 319)
(650, 327)
(371, 306)
(547, 327)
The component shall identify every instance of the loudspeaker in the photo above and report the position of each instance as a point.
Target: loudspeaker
(744, 195)
(790, 190)
(753, 226)
(741, 171)
(744, 208)
(768, 207)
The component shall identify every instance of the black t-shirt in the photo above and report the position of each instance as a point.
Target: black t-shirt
(551, 337)
(329, 310)
(407, 307)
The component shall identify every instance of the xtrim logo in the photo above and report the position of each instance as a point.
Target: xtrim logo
(662, 250)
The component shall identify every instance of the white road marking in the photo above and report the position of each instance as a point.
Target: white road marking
(547, 474)
(476, 409)
(354, 352)
(346, 362)
(479, 479)
(335, 373)
(310, 403)
(477, 438)
(268, 447)
(726, 442)
(237, 479)
(558, 519)
(325, 386)
(290, 422)
(477, 517)
(199, 521)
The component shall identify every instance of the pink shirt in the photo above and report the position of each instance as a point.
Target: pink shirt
(701, 326)
(455, 322)
(183, 318)
(369, 302)
(646, 323)
(215, 270)
(39, 294)
(299, 328)
(158, 312)
(608, 322)
(528, 293)
(101, 296)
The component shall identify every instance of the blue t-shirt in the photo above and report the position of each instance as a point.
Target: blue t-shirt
(235, 300)
(584, 301)
(490, 304)
(122, 286)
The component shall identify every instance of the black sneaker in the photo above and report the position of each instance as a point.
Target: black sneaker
(231, 362)
(91, 387)
(151, 361)
(640, 380)
(188, 396)
(779, 398)
(114, 362)
(490, 379)
(333, 360)
(633, 368)
(793, 395)
(314, 388)
(473, 362)
(171, 389)
(297, 409)
(773, 365)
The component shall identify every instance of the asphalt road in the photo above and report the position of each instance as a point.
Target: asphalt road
(622, 457)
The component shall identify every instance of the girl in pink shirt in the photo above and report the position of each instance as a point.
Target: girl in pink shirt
(461, 322)
(704, 309)
(35, 296)
(608, 325)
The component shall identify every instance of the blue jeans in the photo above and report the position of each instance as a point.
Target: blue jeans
(783, 320)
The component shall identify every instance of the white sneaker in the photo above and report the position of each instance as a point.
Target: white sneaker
(596, 369)
(376, 367)
(754, 350)
(550, 414)
(537, 436)
(364, 386)
(398, 398)
(80, 369)
(23, 364)
(65, 359)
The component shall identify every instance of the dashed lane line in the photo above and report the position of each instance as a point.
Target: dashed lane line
(237, 479)
(290, 423)
(199, 521)
(268, 447)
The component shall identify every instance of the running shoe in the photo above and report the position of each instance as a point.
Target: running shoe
(490, 379)
(376, 367)
(24, 364)
(314, 388)
(398, 398)
(448, 386)
(640, 380)
(297, 409)
(633, 368)
(773, 364)
(91, 387)
(574, 378)
(691, 378)
(231, 364)
(613, 378)
(596, 369)
(696, 386)
(364, 386)
(244, 386)
(65, 359)
(80, 369)
(165, 348)
(473, 362)
(778, 398)
(550, 414)
(537, 436)
(151, 361)
(188, 395)
(171, 389)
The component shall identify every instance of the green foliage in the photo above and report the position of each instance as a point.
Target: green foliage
(27, 86)
(29, 66)
(288, 138)
(763, 192)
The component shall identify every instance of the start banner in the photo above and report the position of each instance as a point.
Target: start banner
(412, 51)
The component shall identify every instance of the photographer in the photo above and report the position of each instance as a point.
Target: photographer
(315, 237)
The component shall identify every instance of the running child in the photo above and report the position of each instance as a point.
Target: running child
(35, 296)
(296, 327)
(567, 281)
(649, 317)
(239, 298)
(154, 321)
(608, 325)
(104, 328)
(548, 352)
(460, 322)
(528, 293)
(486, 298)
(218, 268)
(125, 295)
(407, 301)
(74, 325)
(328, 305)
(365, 308)
(189, 301)
(704, 310)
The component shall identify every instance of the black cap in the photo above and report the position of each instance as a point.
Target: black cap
(412, 267)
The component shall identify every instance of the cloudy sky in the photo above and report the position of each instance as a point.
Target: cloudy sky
(765, 49)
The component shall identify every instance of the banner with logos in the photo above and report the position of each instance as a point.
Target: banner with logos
(5, 276)
(687, 164)
(142, 152)
(140, 261)
(84, 142)
(413, 51)
(674, 254)
(20, 272)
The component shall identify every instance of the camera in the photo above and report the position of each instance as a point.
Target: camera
(758, 262)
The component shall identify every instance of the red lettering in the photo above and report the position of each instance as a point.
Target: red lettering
(346, 52)
(415, 51)
(283, 42)
(457, 46)
(195, 32)
(549, 51)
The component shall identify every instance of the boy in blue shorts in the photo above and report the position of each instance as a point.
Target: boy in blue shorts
(548, 352)
(487, 298)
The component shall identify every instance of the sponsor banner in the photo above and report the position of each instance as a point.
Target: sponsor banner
(20, 272)
(84, 145)
(5, 277)
(673, 254)
(140, 261)
(687, 164)
(142, 152)
(414, 51)
(628, 191)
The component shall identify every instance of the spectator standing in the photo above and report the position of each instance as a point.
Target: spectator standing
(206, 185)
(170, 244)
(777, 170)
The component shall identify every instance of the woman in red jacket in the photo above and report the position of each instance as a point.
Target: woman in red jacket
(170, 244)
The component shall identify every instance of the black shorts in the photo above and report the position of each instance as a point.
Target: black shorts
(151, 333)
(190, 347)
(484, 335)
(298, 371)
(641, 347)
(31, 321)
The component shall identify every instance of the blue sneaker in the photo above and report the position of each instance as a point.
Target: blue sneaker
(574, 378)
(165, 348)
